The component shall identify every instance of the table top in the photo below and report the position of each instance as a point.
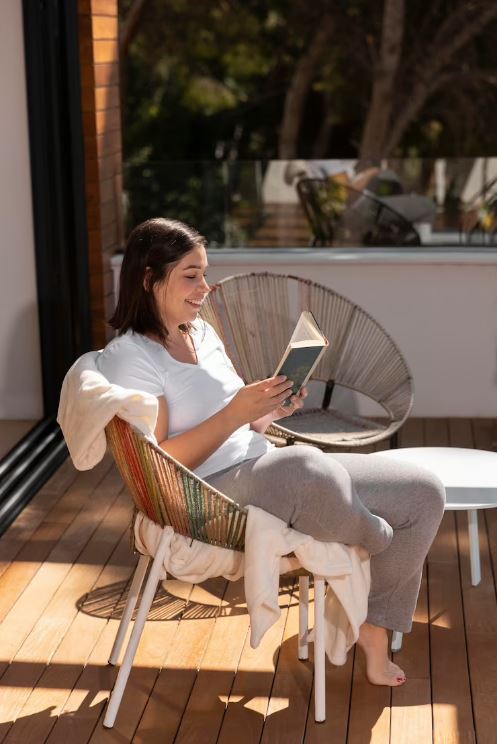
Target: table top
(469, 475)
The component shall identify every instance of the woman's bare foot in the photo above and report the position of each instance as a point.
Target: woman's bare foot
(379, 669)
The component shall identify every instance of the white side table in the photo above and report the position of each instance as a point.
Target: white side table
(470, 480)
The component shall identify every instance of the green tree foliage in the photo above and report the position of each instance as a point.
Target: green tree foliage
(211, 81)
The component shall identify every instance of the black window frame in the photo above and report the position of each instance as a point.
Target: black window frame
(51, 49)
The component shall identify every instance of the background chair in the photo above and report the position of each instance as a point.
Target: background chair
(338, 213)
(255, 315)
(170, 494)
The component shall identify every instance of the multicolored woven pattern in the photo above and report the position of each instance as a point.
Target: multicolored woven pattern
(170, 494)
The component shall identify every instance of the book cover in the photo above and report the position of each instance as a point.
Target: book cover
(306, 347)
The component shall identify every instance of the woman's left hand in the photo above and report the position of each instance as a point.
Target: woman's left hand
(296, 402)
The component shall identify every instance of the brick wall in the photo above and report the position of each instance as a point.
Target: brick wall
(99, 59)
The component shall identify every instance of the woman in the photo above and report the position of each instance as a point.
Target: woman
(213, 423)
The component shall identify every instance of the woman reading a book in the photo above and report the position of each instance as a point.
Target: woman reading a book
(214, 424)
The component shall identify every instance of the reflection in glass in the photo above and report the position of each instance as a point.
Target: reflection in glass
(409, 203)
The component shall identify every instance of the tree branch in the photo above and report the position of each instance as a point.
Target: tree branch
(435, 61)
(385, 73)
(299, 87)
(455, 34)
(130, 26)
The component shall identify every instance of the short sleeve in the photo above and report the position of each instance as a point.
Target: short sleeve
(220, 345)
(125, 364)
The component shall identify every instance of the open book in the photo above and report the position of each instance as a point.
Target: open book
(307, 346)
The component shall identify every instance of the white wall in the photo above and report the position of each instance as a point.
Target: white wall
(440, 307)
(20, 372)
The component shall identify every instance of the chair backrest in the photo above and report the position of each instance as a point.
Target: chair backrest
(255, 314)
(323, 202)
(170, 494)
(369, 220)
(338, 212)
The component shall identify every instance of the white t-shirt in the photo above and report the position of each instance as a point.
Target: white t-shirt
(193, 392)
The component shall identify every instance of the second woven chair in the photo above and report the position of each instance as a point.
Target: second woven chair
(255, 315)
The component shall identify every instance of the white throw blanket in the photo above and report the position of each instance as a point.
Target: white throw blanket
(267, 543)
(88, 402)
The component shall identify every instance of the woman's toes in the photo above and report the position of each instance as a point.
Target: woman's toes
(395, 670)
(386, 678)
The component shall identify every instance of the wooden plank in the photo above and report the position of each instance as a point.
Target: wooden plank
(338, 690)
(370, 715)
(104, 7)
(412, 433)
(109, 143)
(88, 98)
(108, 189)
(291, 693)
(104, 168)
(88, 698)
(60, 675)
(28, 562)
(162, 716)
(106, 73)
(89, 129)
(155, 642)
(79, 713)
(108, 120)
(451, 693)
(207, 703)
(485, 433)
(249, 698)
(19, 622)
(369, 719)
(480, 610)
(50, 627)
(461, 433)
(480, 614)
(105, 51)
(51, 504)
(411, 715)
(12, 432)
(26, 524)
(107, 97)
(436, 432)
(29, 559)
(105, 27)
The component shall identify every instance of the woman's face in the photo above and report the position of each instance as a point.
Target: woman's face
(179, 297)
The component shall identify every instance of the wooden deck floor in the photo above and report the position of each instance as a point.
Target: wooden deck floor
(64, 565)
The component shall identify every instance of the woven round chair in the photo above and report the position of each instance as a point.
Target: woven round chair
(255, 315)
(171, 495)
(338, 213)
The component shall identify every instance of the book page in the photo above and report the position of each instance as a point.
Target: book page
(307, 329)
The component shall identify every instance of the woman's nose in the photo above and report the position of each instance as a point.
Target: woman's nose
(205, 285)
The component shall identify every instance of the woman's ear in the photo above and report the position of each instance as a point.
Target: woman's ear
(146, 278)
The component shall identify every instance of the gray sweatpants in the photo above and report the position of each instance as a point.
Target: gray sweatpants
(392, 509)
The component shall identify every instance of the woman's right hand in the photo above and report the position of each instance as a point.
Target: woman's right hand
(258, 399)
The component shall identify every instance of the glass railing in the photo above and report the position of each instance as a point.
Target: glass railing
(409, 203)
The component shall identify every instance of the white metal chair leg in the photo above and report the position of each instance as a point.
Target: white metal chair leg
(396, 644)
(303, 650)
(319, 652)
(133, 593)
(474, 547)
(148, 595)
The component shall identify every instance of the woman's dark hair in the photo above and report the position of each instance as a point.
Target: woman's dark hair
(152, 250)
